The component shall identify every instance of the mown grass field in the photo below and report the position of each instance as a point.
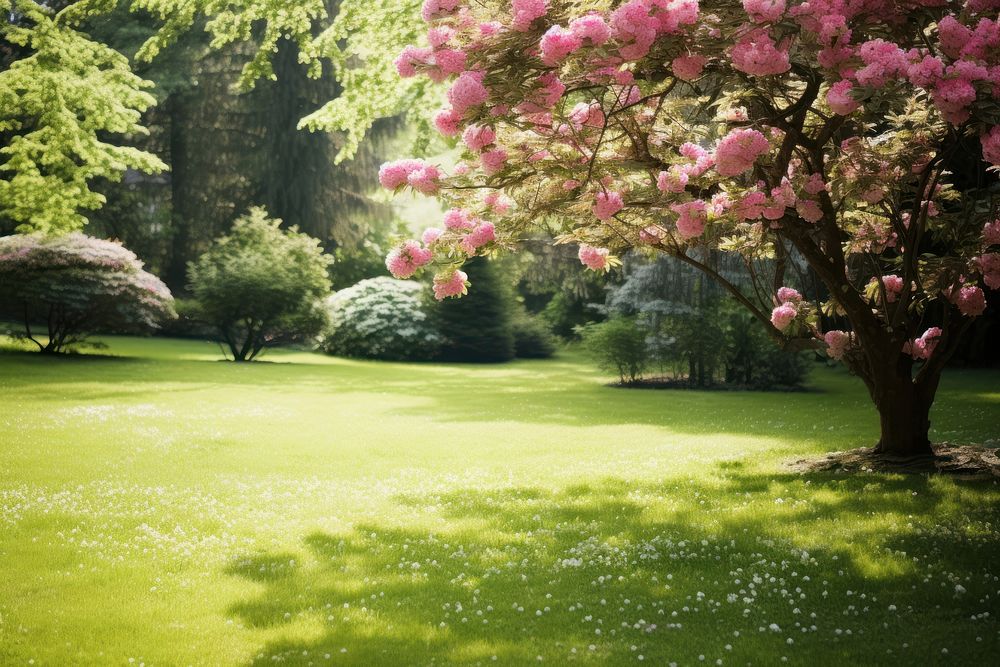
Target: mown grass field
(159, 507)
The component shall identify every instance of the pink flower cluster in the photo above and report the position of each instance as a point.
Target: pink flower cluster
(607, 203)
(592, 28)
(738, 150)
(451, 284)
(691, 218)
(688, 68)
(595, 259)
(840, 100)
(764, 11)
(404, 260)
(481, 234)
(557, 43)
(991, 233)
(893, 285)
(478, 137)
(418, 174)
(923, 347)
(787, 309)
(467, 92)
(837, 343)
(637, 23)
(526, 12)
(758, 55)
(970, 300)
(989, 264)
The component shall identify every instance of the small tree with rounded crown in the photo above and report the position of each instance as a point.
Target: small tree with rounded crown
(824, 128)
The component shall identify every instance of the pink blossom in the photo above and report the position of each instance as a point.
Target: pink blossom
(591, 27)
(971, 301)
(883, 61)
(404, 260)
(925, 72)
(782, 316)
(448, 62)
(691, 218)
(809, 210)
(991, 145)
(688, 68)
(468, 91)
(448, 122)
(430, 235)
(434, 9)
(893, 287)
(923, 347)
(595, 259)
(408, 60)
(482, 234)
(425, 179)
(493, 161)
(526, 12)
(758, 55)
(606, 204)
(738, 150)
(839, 98)
(815, 184)
(991, 233)
(952, 97)
(751, 206)
(788, 294)
(557, 43)
(497, 201)
(989, 265)
(478, 137)
(953, 36)
(590, 115)
(452, 284)
(837, 343)
(674, 180)
(458, 218)
(764, 11)
(392, 175)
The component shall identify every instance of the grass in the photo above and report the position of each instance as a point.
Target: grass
(160, 507)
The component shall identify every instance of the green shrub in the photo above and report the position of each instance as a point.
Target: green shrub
(478, 327)
(381, 318)
(618, 345)
(532, 338)
(261, 285)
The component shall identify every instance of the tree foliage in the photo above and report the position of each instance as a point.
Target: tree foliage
(60, 105)
(479, 327)
(755, 128)
(260, 285)
(73, 286)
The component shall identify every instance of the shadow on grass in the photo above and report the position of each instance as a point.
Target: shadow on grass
(848, 569)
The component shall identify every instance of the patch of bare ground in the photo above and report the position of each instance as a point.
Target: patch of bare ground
(962, 461)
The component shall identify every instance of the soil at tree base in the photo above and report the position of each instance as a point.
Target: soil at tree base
(962, 461)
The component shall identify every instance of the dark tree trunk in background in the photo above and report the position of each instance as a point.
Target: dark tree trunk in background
(904, 415)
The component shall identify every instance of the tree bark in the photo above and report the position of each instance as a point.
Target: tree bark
(904, 413)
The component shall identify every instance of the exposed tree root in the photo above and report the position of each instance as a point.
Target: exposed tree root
(963, 461)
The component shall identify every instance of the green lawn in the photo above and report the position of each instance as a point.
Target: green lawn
(160, 507)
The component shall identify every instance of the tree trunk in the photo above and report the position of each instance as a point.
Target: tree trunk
(904, 413)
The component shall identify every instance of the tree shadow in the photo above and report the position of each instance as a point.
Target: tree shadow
(851, 570)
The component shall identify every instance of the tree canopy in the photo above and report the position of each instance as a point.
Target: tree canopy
(759, 128)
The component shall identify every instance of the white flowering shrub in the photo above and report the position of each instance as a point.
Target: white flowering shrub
(381, 318)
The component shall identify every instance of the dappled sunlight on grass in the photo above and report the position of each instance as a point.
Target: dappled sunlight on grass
(170, 508)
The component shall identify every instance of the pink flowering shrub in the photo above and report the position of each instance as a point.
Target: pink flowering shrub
(70, 287)
(813, 149)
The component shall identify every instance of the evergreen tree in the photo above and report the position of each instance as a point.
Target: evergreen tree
(478, 327)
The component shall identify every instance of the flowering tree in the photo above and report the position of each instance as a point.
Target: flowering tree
(825, 129)
(77, 285)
